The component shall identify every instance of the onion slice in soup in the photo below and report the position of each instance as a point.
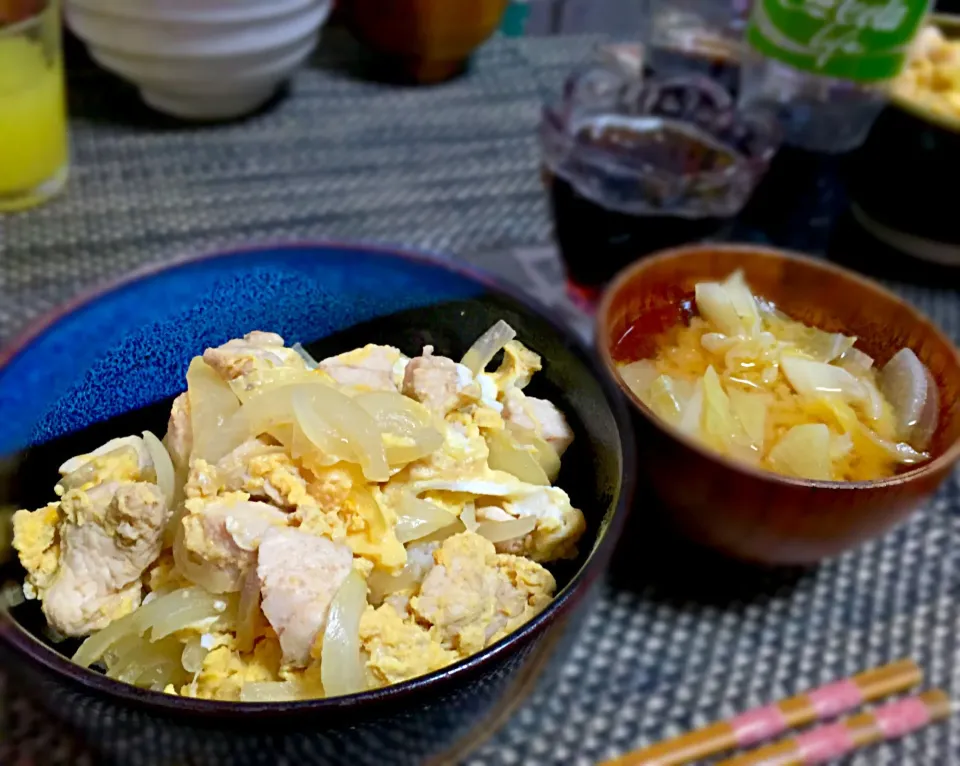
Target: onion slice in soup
(912, 391)
(341, 668)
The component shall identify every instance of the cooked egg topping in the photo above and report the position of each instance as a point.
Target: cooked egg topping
(310, 529)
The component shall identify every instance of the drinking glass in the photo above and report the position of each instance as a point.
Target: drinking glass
(703, 36)
(34, 157)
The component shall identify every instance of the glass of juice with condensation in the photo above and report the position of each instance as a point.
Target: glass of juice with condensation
(34, 157)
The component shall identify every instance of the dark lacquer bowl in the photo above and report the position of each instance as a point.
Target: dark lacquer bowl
(108, 365)
(754, 514)
(901, 180)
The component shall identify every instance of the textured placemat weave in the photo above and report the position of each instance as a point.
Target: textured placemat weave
(454, 169)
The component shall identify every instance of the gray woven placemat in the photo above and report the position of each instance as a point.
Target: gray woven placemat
(454, 169)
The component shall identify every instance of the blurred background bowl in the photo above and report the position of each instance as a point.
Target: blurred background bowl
(203, 60)
(904, 176)
(425, 41)
(743, 511)
(110, 363)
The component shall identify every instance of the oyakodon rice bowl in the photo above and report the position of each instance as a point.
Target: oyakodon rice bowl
(444, 309)
(308, 529)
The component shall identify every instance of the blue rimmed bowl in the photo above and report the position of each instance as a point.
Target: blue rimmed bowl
(109, 364)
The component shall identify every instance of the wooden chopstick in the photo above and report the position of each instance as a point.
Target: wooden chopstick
(824, 743)
(764, 723)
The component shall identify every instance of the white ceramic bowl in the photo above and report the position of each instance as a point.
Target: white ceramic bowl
(200, 59)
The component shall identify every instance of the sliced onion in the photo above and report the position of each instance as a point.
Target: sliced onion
(145, 659)
(187, 607)
(271, 691)
(854, 361)
(905, 381)
(929, 419)
(353, 423)
(499, 531)
(639, 375)
(163, 466)
(383, 584)
(167, 614)
(193, 655)
(715, 305)
(97, 645)
(692, 419)
(248, 611)
(815, 379)
(316, 429)
(482, 352)
(469, 517)
(804, 451)
(418, 518)
(507, 455)
(212, 406)
(203, 574)
(308, 359)
(403, 418)
(341, 668)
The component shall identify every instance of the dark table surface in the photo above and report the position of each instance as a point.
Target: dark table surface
(454, 169)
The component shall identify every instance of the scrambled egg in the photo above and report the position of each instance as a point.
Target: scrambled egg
(400, 648)
(36, 538)
(225, 671)
(260, 553)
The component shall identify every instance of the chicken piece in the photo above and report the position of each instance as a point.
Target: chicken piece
(399, 648)
(125, 460)
(474, 596)
(371, 368)
(538, 415)
(439, 383)
(109, 535)
(517, 368)
(223, 534)
(559, 525)
(300, 574)
(179, 438)
(256, 352)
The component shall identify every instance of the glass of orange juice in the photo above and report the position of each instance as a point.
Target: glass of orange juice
(34, 157)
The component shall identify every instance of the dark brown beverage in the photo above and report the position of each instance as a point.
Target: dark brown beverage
(596, 242)
(719, 61)
(633, 166)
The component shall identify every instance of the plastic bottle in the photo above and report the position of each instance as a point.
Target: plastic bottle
(821, 64)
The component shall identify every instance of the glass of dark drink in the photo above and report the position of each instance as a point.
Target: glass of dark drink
(697, 36)
(634, 164)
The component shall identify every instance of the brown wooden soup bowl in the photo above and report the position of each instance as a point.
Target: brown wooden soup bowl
(741, 510)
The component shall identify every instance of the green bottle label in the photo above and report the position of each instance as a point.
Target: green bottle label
(863, 40)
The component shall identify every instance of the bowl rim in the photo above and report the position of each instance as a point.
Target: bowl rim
(946, 22)
(368, 702)
(940, 463)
